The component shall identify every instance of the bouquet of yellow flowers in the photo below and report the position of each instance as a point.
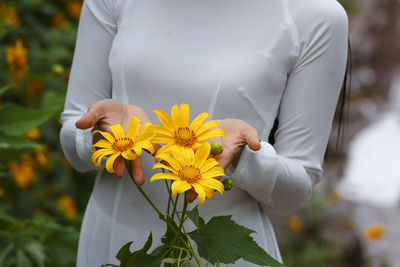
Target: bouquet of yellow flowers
(189, 163)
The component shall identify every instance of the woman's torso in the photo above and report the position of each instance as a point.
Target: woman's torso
(230, 58)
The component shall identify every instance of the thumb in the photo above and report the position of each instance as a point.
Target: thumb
(252, 139)
(88, 120)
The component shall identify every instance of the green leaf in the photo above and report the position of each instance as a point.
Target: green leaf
(53, 101)
(169, 260)
(189, 263)
(16, 120)
(5, 88)
(22, 259)
(5, 252)
(195, 217)
(36, 251)
(124, 253)
(170, 237)
(15, 142)
(224, 240)
(148, 243)
(141, 259)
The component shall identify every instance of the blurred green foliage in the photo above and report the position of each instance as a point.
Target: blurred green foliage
(42, 198)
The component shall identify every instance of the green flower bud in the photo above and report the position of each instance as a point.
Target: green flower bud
(228, 184)
(58, 69)
(216, 149)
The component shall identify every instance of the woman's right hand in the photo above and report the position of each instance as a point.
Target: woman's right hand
(107, 112)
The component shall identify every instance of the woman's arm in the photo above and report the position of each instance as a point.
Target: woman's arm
(282, 176)
(90, 78)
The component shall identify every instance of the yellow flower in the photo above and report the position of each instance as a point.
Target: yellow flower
(294, 224)
(33, 134)
(23, 173)
(59, 21)
(42, 157)
(191, 170)
(334, 197)
(68, 206)
(374, 231)
(176, 130)
(74, 9)
(34, 90)
(17, 61)
(128, 146)
(2, 192)
(9, 15)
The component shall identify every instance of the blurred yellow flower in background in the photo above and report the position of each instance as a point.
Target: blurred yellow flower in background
(43, 157)
(17, 61)
(294, 224)
(34, 91)
(374, 232)
(33, 134)
(74, 9)
(67, 204)
(2, 192)
(58, 21)
(9, 15)
(23, 173)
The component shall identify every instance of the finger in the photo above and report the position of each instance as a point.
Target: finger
(88, 120)
(252, 138)
(191, 195)
(119, 167)
(224, 161)
(137, 171)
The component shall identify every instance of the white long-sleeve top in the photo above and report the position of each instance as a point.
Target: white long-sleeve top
(254, 60)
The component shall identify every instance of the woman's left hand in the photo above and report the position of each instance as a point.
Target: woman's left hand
(238, 134)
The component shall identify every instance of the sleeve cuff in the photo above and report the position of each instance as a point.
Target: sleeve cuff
(257, 172)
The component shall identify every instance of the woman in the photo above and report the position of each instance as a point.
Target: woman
(246, 62)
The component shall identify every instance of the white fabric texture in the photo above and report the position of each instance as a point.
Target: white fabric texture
(253, 60)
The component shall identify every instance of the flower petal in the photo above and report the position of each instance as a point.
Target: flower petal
(201, 154)
(208, 164)
(183, 155)
(162, 130)
(179, 187)
(214, 172)
(99, 154)
(110, 162)
(117, 131)
(133, 128)
(165, 119)
(162, 175)
(171, 161)
(199, 190)
(129, 155)
(196, 123)
(163, 166)
(146, 145)
(180, 116)
(211, 134)
(212, 183)
(209, 192)
(106, 135)
(102, 143)
(206, 126)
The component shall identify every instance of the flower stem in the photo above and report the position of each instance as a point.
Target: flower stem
(162, 217)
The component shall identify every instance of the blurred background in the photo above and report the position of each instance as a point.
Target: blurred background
(351, 220)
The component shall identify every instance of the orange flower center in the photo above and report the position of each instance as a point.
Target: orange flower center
(185, 137)
(190, 174)
(122, 144)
